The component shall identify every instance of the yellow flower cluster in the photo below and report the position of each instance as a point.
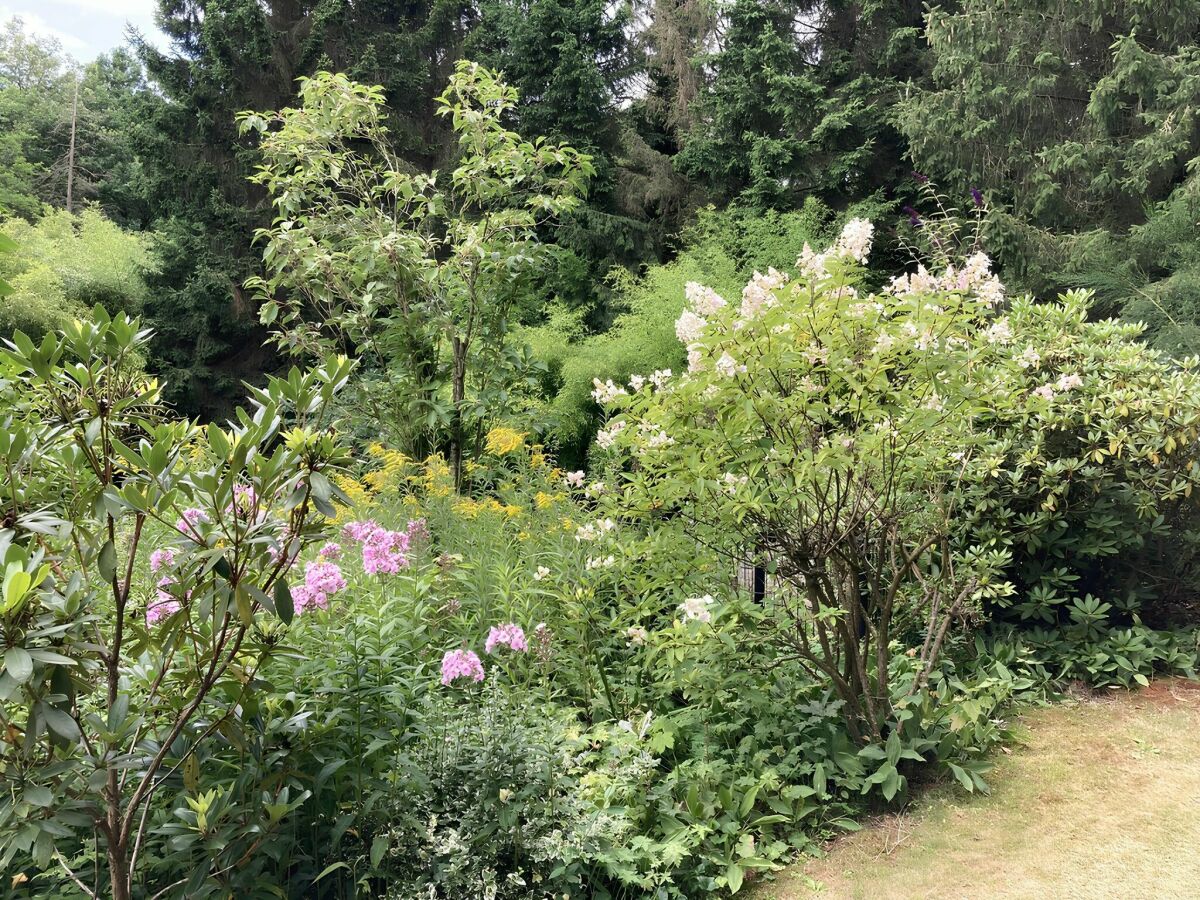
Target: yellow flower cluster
(502, 440)
(542, 500)
(437, 481)
(391, 470)
(359, 494)
(469, 508)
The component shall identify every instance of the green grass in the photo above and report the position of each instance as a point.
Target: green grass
(1101, 799)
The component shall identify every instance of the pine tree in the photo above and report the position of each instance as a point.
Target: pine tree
(1070, 116)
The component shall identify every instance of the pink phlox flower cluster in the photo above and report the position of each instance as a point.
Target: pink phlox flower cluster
(189, 523)
(461, 664)
(331, 550)
(384, 552)
(417, 530)
(510, 635)
(322, 579)
(162, 559)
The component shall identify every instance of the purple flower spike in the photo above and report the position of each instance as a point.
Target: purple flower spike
(977, 196)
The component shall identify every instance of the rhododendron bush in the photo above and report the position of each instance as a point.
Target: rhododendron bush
(147, 564)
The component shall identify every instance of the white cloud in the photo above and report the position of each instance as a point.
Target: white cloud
(36, 25)
(86, 28)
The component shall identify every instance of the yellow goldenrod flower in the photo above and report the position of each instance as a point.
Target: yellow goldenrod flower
(502, 440)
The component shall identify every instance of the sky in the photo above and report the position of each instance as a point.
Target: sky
(86, 28)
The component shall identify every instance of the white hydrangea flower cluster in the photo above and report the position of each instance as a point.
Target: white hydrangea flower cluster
(727, 366)
(975, 278)
(703, 300)
(759, 293)
(606, 392)
(607, 436)
(999, 332)
(689, 327)
(696, 609)
(854, 243)
(653, 438)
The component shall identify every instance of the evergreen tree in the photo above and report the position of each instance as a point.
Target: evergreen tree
(1070, 116)
(570, 61)
(798, 101)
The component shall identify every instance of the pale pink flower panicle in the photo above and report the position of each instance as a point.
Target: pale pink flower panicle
(461, 664)
(509, 635)
(162, 559)
(322, 579)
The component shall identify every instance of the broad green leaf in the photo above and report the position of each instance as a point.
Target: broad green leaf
(19, 664)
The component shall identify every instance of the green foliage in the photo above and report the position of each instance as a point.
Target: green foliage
(1070, 116)
(798, 101)
(570, 64)
(1148, 274)
(111, 682)
(69, 264)
(420, 273)
(825, 434)
(722, 249)
(1092, 493)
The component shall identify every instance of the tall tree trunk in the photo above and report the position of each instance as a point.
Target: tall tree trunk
(71, 147)
(456, 423)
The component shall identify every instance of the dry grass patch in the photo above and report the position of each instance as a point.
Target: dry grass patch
(1101, 800)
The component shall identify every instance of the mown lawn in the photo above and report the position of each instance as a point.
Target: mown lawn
(1099, 799)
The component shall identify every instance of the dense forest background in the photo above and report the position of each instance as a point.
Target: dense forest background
(1075, 123)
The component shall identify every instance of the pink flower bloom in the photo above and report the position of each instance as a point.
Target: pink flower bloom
(384, 552)
(321, 580)
(162, 559)
(418, 530)
(161, 609)
(331, 550)
(360, 531)
(461, 664)
(304, 597)
(508, 635)
(165, 605)
(191, 520)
